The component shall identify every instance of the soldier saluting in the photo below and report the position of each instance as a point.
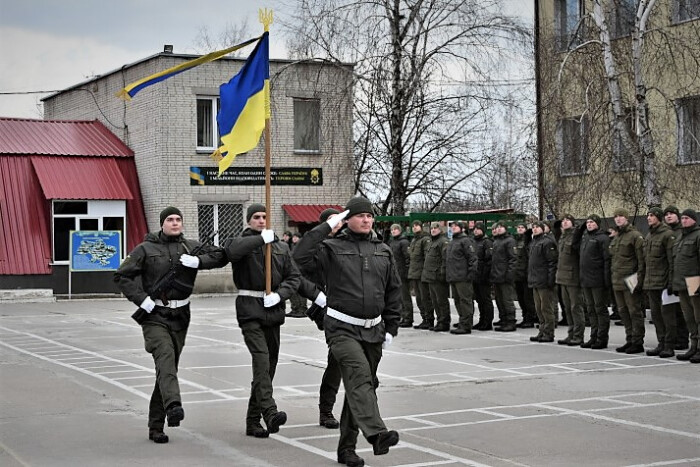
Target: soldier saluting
(165, 317)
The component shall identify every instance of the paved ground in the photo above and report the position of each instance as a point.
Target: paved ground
(75, 383)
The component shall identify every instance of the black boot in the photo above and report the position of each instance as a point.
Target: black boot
(256, 430)
(656, 351)
(383, 441)
(274, 422)
(350, 458)
(623, 348)
(689, 354)
(328, 420)
(175, 414)
(157, 436)
(589, 343)
(667, 352)
(599, 344)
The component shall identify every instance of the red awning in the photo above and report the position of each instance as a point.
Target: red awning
(307, 213)
(80, 178)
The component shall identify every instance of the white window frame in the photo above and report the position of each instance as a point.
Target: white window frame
(214, 100)
(96, 209)
(318, 126)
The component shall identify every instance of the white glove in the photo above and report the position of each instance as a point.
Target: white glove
(388, 339)
(320, 300)
(268, 235)
(334, 221)
(189, 261)
(272, 299)
(148, 304)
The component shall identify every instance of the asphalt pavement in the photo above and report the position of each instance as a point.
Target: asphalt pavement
(75, 383)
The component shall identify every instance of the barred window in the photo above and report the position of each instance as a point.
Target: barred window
(572, 146)
(224, 219)
(688, 110)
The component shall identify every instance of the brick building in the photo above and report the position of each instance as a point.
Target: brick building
(171, 128)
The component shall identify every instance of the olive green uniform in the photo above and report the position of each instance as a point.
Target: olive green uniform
(165, 328)
(434, 275)
(417, 251)
(686, 263)
(569, 281)
(627, 258)
(658, 254)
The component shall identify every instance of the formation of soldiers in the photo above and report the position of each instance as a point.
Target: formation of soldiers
(360, 290)
(583, 267)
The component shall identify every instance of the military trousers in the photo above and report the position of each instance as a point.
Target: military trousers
(263, 343)
(407, 312)
(596, 300)
(464, 302)
(574, 309)
(526, 301)
(629, 306)
(545, 310)
(691, 313)
(165, 346)
(664, 320)
(358, 361)
(330, 383)
(482, 295)
(681, 325)
(439, 295)
(505, 293)
(425, 305)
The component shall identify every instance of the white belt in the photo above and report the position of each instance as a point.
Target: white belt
(252, 293)
(368, 323)
(173, 303)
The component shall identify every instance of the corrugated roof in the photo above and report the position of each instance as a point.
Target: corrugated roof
(80, 178)
(59, 138)
(307, 213)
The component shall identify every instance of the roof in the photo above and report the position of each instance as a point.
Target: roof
(307, 213)
(59, 138)
(80, 178)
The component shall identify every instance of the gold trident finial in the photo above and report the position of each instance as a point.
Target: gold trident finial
(265, 17)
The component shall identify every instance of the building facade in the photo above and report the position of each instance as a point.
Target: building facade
(171, 127)
(618, 92)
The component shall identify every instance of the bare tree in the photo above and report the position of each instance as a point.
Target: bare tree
(232, 34)
(424, 91)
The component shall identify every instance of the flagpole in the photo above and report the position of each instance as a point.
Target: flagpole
(265, 17)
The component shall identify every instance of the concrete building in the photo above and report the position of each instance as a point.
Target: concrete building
(171, 128)
(586, 166)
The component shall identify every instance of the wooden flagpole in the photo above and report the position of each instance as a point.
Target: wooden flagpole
(265, 17)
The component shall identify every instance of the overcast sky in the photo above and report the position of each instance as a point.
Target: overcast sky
(47, 45)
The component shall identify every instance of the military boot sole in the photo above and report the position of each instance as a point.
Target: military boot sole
(175, 415)
(276, 421)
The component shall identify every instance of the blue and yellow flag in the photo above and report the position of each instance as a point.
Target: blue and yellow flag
(130, 91)
(245, 105)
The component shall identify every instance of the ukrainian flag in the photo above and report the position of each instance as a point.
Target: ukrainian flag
(245, 105)
(130, 91)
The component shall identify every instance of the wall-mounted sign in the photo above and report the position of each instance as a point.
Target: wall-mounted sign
(95, 250)
(256, 176)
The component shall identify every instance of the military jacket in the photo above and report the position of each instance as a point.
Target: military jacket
(434, 266)
(399, 246)
(247, 256)
(542, 262)
(568, 264)
(686, 257)
(461, 262)
(594, 259)
(522, 243)
(627, 257)
(417, 251)
(658, 254)
(483, 246)
(503, 259)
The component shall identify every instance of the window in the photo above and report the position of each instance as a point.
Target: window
(207, 129)
(85, 215)
(572, 146)
(567, 23)
(224, 219)
(624, 157)
(307, 125)
(684, 10)
(623, 17)
(688, 110)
